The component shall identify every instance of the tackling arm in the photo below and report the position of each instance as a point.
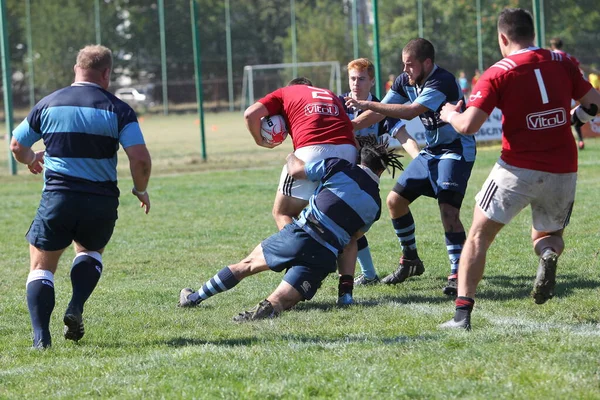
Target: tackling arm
(295, 167)
(409, 144)
(466, 123)
(140, 166)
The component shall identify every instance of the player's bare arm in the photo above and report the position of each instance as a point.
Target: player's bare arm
(295, 167)
(466, 123)
(252, 117)
(409, 144)
(140, 166)
(25, 155)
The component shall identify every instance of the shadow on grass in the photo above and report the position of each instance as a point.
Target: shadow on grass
(305, 339)
(504, 287)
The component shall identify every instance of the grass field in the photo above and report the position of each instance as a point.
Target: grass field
(206, 215)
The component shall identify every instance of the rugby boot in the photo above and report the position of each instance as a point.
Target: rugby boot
(452, 286)
(73, 324)
(543, 287)
(184, 300)
(362, 280)
(406, 269)
(263, 310)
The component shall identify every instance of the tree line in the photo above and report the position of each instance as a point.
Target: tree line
(261, 34)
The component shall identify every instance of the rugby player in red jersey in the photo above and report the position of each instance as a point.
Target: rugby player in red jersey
(320, 129)
(538, 165)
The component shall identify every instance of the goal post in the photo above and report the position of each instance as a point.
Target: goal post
(259, 80)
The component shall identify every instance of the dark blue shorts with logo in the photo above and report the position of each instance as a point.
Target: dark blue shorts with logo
(63, 217)
(307, 261)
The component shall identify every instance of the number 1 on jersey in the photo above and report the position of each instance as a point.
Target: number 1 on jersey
(540, 82)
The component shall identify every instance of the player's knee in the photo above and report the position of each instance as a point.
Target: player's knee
(395, 199)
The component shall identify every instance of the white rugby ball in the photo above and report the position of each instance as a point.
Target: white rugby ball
(273, 129)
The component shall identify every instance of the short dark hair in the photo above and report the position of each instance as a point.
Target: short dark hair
(376, 156)
(300, 81)
(556, 42)
(421, 49)
(516, 24)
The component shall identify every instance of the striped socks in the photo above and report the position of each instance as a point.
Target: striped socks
(221, 282)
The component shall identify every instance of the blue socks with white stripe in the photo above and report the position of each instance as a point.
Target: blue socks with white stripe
(40, 301)
(454, 245)
(405, 230)
(221, 282)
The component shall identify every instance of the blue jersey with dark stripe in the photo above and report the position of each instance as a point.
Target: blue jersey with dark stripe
(386, 125)
(439, 88)
(82, 126)
(346, 201)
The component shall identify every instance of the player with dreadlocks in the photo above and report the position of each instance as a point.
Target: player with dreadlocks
(375, 155)
(344, 206)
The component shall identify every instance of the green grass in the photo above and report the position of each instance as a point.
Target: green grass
(207, 215)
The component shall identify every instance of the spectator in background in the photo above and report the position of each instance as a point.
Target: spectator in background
(594, 79)
(390, 82)
(556, 45)
(464, 84)
(82, 127)
(475, 78)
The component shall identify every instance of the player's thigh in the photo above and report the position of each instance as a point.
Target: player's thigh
(293, 246)
(54, 224)
(551, 208)
(414, 181)
(505, 193)
(289, 187)
(98, 215)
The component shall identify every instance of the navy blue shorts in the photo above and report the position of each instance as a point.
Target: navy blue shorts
(62, 217)
(307, 261)
(429, 176)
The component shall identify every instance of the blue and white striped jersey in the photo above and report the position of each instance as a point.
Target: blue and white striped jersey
(346, 201)
(439, 88)
(81, 126)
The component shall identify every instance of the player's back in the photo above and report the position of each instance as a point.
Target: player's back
(533, 88)
(81, 126)
(314, 115)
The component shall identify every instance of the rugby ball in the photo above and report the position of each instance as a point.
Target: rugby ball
(273, 129)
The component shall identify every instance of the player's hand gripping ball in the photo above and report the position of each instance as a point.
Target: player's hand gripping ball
(273, 129)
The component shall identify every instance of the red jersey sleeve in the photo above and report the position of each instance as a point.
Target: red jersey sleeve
(273, 102)
(485, 94)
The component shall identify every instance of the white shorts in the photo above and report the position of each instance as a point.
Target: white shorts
(303, 189)
(509, 189)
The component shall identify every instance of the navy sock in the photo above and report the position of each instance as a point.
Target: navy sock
(454, 245)
(40, 301)
(345, 285)
(464, 306)
(221, 282)
(85, 274)
(405, 230)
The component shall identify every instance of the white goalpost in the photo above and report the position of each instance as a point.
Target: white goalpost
(272, 76)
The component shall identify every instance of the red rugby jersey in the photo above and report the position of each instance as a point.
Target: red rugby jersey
(313, 115)
(533, 87)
